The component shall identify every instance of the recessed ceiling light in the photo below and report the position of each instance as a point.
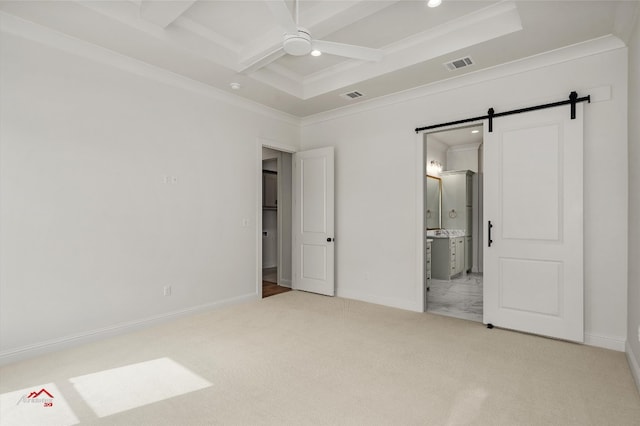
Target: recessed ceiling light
(434, 3)
(316, 52)
(235, 86)
(475, 131)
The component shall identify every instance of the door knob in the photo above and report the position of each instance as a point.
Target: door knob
(329, 239)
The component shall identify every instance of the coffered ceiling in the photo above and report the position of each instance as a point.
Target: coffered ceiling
(222, 42)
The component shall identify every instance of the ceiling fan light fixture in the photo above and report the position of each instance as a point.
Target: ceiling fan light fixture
(316, 52)
(297, 40)
(434, 3)
(297, 44)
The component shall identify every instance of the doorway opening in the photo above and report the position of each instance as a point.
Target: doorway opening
(276, 221)
(453, 217)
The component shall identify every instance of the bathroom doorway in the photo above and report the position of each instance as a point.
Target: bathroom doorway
(453, 215)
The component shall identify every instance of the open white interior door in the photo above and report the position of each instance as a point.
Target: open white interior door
(313, 221)
(533, 253)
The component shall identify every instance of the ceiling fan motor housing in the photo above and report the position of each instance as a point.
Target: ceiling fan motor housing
(298, 44)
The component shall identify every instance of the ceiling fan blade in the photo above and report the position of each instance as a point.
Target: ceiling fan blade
(262, 61)
(282, 14)
(348, 50)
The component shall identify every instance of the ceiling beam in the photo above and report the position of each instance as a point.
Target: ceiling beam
(249, 68)
(329, 17)
(163, 13)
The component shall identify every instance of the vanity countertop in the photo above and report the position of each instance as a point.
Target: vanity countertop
(445, 233)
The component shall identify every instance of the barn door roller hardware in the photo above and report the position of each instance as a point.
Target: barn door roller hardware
(491, 114)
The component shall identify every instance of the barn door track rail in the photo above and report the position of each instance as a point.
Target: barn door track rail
(491, 114)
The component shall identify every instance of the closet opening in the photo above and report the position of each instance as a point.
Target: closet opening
(452, 218)
(276, 221)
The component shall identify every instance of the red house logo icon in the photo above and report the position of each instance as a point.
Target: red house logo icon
(37, 394)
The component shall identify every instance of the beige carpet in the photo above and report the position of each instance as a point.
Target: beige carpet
(298, 358)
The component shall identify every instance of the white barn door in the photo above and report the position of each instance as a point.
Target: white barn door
(313, 221)
(533, 183)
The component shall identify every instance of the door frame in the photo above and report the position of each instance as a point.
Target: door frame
(278, 146)
(421, 224)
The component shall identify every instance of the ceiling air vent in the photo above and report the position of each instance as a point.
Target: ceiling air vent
(459, 63)
(352, 95)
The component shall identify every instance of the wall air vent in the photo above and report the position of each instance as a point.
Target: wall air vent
(352, 95)
(459, 63)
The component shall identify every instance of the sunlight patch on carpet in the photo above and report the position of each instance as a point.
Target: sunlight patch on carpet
(120, 389)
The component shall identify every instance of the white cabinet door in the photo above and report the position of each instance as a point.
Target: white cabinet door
(460, 255)
(313, 221)
(453, 201)
(533, 270)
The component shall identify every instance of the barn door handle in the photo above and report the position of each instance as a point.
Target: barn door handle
(490, 226)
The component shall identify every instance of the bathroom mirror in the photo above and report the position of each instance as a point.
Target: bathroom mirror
(433, 199)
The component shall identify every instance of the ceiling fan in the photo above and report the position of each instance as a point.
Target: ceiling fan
(297, 41)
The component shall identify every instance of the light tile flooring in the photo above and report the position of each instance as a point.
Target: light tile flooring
(460, 298)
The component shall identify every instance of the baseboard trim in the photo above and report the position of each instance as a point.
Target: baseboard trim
(607, 342)
(633, 365)
(285, 283)
(41, 348)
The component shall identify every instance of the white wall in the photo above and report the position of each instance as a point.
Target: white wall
(633, 336)
(376, 151)
(90, 230)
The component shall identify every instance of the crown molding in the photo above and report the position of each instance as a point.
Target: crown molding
(576, 51)
(31, 31)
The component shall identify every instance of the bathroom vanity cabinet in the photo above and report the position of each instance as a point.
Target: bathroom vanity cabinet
(447, 257)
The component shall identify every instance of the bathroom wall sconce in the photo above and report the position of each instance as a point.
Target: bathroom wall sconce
(434, 168)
